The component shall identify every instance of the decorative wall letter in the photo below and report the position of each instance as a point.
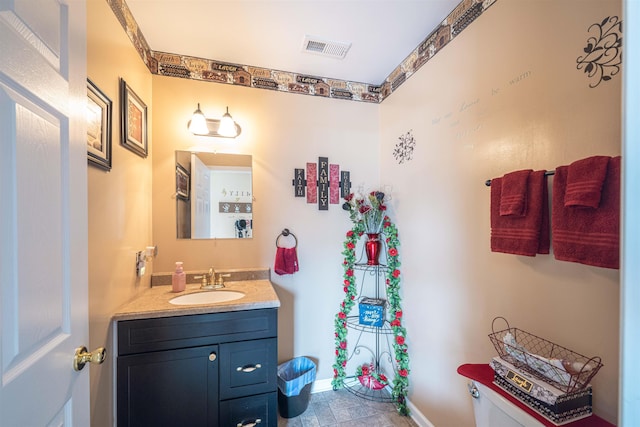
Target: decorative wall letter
(325, 184)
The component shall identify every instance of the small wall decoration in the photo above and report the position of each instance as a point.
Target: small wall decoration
(603, 53)
(234, 207)
(98, 127)
(182, 183)
(403, 151)
(325, 184)
(133, 120)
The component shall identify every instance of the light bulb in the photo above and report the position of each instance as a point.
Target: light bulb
(198, 123)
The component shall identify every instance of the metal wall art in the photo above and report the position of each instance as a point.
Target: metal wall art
(603, 53)
(403, 151)
(325, 184)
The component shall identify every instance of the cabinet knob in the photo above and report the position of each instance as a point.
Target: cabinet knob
(249, 423)
(248, 368)
(212, 357)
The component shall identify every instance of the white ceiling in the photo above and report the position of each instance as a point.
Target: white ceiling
(269, 33)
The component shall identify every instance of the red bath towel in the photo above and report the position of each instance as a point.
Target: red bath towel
(286, 261)
(528, 234)
(584, 181)
(585, 235)
(513, 197)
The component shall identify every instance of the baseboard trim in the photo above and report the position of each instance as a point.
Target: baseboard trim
(319, 386)
(418, 417)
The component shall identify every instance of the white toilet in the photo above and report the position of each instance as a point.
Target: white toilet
(493, 410)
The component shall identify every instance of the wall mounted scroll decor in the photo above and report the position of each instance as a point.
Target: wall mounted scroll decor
(603, 53)
(403, 151)
(325, 184)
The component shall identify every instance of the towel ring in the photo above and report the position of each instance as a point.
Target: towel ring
(286, 233)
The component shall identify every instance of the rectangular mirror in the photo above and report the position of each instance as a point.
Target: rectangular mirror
(214, 196)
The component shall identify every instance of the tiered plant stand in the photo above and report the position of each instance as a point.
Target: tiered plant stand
(381, 349)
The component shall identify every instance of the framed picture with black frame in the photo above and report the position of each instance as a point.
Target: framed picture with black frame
(182, 183)
(99, 111)
(133, 120)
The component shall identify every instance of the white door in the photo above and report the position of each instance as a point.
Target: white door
(200, 199)
(43, 213)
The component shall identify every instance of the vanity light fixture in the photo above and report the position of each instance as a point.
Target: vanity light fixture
(226, 127)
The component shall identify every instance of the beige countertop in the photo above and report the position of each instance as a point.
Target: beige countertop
(154, 302)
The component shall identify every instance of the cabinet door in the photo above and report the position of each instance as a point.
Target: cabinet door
(258, 411)
(248, 367)
(169, 388)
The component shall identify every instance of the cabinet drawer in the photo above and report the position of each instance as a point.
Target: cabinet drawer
(248, 368)
(260, 410)
(166, 333)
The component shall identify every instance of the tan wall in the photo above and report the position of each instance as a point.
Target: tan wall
(119, 200)
(282, 132)
(471, 124)
(453, 285)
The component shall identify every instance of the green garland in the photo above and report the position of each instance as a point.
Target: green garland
(401, 377)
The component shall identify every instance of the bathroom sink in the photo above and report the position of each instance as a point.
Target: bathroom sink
(210, 297)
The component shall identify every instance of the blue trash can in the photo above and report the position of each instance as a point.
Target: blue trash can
(295, 378)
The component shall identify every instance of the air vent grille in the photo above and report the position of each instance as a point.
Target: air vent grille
(328, 48)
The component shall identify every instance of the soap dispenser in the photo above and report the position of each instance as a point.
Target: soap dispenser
(179, 278)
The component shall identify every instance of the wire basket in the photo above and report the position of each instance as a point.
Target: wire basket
(565, 369)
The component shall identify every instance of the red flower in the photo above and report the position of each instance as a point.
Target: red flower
(346, 282)
(383, 208)
(396, 273)
(387, 224)
(388, 281)
(383, 378)
(350, 245)
(364, 209)
(400, 339)
(365, 370)
(346, 289)
(393, 252)
(350, 233)
(398, 314)
(341, 315)
(335, 373)
(396, 322)
(343, 345)
(337, 352)
(403, 372)
(349, 272)
(344, 363)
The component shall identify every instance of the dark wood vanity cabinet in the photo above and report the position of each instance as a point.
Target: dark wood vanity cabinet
(210, 370)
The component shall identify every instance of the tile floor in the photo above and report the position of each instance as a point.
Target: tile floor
(343, 409)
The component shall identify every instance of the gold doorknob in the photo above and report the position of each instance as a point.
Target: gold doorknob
(82, 357)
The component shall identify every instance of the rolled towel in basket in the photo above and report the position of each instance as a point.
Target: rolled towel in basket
(557, 370)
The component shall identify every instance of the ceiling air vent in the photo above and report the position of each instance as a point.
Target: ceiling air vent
(328, 48)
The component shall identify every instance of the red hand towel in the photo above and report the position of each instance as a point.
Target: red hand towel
(588, 236)
(528, 234)
(286, 261)
(584, 181)
(513, 197)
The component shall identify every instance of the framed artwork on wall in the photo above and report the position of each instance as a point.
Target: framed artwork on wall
(133, 120)
(99, 108)
(182, 183)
